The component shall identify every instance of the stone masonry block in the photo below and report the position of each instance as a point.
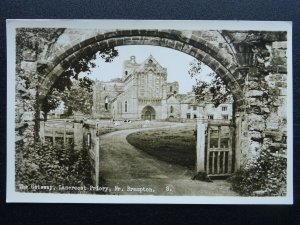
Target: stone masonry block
(211, 49)
(136, 32)
(112, 42)
(28, 66)
(186, 48)
(136, 38)
(272, 122)
(95, 47)
(171, 43)
(179, 45)
(88, 41)
(254, 101)
(200, 55)
(254, 93)
(232, 68)
(164, 42)
(199, 43)
(253, 85)
(119, 41)
(222, 71)
(254, 147)
(279, 53)
(256, 122)
(279, 44)
(114, 34)
(100, 37)
(214, 64)
(255, 135)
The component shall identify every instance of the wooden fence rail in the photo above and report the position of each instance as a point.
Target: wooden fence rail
(83, 135)
(64, 131)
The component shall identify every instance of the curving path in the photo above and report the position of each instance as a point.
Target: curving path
(125, 166)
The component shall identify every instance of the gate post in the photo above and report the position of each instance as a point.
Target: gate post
(238, 130)
(97, 160)
(78, 135)
(200, 147)
(42, 131)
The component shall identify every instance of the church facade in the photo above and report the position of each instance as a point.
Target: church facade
(143, 93)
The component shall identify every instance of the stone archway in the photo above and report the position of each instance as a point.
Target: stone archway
(257, 122)
(220, 60)
(148, 113)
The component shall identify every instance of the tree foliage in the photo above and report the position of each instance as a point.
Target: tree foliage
(50, 102)
(78, 99)
(215, 90)
(265, 174)
(50, 165)
(80, 95)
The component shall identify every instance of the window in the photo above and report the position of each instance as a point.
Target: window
(194, 107)
(126, 72)
(195, 116)
(224, 108)
(225, 117)
(188, 116)
(171, 88)
(171, 109)
(210, 117)
(89, 145)
(106, 103)
(125, 106)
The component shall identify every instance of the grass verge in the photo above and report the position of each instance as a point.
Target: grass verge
(176, 146)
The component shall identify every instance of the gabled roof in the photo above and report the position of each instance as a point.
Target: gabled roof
(150, 62)
(185, 98)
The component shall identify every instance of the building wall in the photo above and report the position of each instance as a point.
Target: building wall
(223, 111)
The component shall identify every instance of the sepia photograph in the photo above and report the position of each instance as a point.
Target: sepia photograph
(136, 111)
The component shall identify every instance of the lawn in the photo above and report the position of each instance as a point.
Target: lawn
(175, 146)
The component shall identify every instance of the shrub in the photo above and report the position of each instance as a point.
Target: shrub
(265, 175)
(49, 165)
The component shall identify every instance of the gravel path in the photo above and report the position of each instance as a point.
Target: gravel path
(128, 170)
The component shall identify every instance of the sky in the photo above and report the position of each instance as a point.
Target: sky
(177, 64)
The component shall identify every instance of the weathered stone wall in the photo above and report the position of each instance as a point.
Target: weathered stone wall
(26, 83)
(264, 121)
(31, 46)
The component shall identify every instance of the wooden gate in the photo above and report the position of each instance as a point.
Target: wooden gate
(219, 151)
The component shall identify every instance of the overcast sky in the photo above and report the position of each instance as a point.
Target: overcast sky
(177, 64)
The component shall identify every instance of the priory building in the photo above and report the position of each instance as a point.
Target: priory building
(143, 93)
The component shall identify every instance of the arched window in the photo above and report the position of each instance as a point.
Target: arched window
(125, 106)
(106, 103)
(126, 72)
(171, 109)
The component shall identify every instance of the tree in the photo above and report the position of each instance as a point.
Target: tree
(50, 102)
(78, 98)
(66, 80)
(215, 90)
